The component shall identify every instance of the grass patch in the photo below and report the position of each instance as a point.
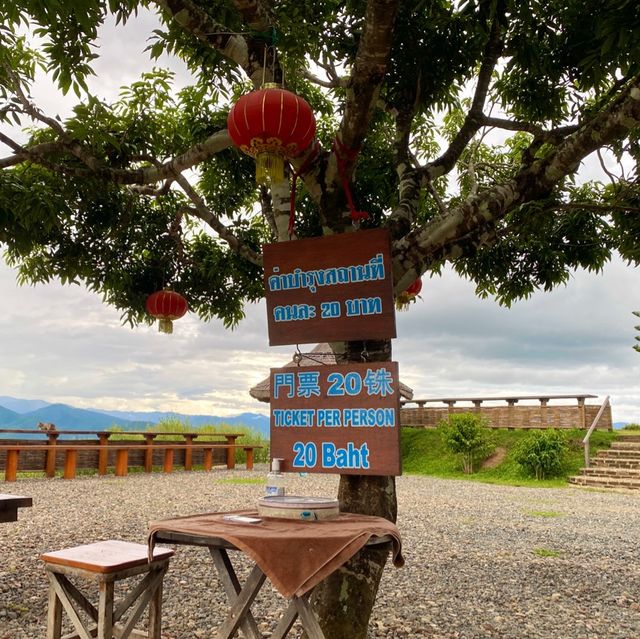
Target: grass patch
(423, 453)
(549, 514)
(243, 480)
(546, 552)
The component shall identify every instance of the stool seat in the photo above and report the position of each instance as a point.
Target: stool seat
(105, 562)
(105, 556)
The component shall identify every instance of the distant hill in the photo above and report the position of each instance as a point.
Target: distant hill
(21, 405)
(7, 415)
(619, 425)
(67, 417)
(252, 420)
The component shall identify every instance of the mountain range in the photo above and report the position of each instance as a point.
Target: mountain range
(26, 413)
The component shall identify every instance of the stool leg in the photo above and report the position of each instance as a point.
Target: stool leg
(155, 610)
(54, 615)
(105, 610)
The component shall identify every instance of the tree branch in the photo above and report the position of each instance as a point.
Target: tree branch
(215, 143)
(474, 119)
(473, 222)
(538, 131)
(328, 84)
(201, 25)
(212, 220)
(368, 71)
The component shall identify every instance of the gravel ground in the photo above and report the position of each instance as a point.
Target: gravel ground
(473, 570)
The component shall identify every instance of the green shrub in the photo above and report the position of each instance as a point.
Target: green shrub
(468, 436)
(543, 453)
(631, 427)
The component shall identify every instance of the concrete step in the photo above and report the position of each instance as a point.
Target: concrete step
(605, 471)
(626, 445)
(605, 482)
(615, 462)
(618, 453)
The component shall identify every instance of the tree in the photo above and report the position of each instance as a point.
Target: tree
(637, 346)
(124, 197)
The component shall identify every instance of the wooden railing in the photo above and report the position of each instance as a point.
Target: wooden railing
(44, 456)
(512, 416)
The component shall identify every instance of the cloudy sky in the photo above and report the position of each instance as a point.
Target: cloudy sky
(61, 344)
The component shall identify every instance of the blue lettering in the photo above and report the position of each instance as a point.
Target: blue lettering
(294, 312)
(343, 458)
(329, 417)
(364, 306)
(371, 271)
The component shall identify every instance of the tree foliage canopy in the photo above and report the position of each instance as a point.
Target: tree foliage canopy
(464, 123)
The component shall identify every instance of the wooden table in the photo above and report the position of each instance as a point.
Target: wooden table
(9, 505)
(241, 597)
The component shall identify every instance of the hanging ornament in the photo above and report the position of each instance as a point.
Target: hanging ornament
(408, 296)
(166, 306)
(271, 124)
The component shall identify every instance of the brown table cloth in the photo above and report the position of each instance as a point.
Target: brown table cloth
(295, 555)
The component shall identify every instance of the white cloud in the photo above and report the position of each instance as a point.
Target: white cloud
(62, 344)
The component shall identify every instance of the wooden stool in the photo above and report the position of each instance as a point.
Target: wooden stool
(105, 562)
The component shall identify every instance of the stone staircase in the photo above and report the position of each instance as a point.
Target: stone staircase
(615, 467)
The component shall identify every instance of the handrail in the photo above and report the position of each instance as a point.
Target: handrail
(63, 431)
(585, 441)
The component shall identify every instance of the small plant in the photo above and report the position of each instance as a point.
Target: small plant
(468, 436)
(546, 552)
(543, 453)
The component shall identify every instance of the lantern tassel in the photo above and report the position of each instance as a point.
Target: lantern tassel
(269, 168)
(165, 326)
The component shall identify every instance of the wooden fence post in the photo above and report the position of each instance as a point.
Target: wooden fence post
(50, 463)
(122, 462)
(231, 451)
(103, 453)
(249, 452)
(168, 460)
(148, 452)
(208, 458)
(70, 460)
(188, 450)
(11, 465)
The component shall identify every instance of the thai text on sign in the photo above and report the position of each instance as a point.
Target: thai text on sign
(329, 289)
(337, 419)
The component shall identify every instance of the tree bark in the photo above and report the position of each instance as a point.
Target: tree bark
(344, 601)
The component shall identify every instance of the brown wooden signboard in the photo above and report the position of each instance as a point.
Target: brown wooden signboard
(342, 419)
(330, 288)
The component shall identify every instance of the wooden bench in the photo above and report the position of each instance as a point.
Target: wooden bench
(122, 456)
(9, 505)
(105, 562)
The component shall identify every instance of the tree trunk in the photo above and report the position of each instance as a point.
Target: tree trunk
(344, 601)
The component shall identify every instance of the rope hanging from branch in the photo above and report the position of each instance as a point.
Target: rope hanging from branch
(345, 156)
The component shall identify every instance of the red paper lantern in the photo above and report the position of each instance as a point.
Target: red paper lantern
(270, 124)
(404, 299)
(166, 306)
(415, 288)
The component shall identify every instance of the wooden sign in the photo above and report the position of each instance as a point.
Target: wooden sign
(327, 289)
(341, 419)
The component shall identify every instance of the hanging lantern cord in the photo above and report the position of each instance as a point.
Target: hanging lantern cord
(344, 155)
(296, 174)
